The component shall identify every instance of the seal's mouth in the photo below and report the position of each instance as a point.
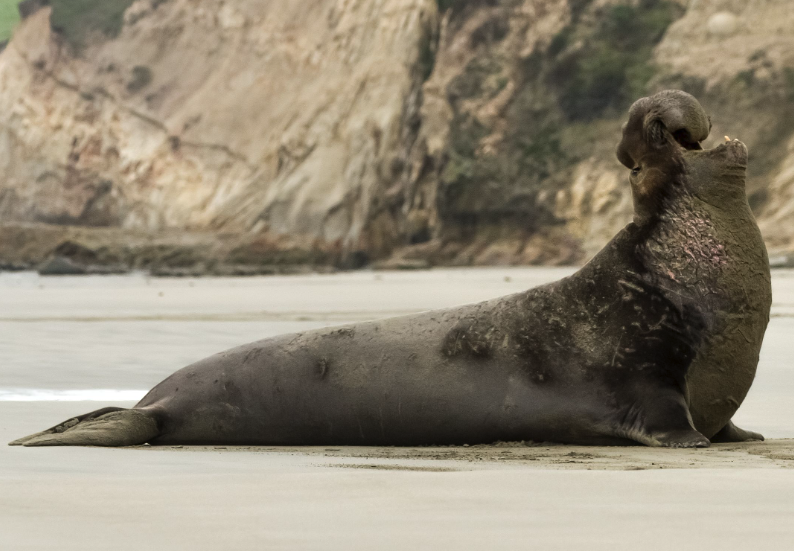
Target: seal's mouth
(731, 152)
(685, 140)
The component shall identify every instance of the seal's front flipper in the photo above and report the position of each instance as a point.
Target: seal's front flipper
(665, 421)
(732, 433)
(104, 427)
(689, 438)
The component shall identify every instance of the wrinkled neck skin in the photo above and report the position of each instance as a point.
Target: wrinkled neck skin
(693, 220)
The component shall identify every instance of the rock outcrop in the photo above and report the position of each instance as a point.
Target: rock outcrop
(263, 133)
(244, 116)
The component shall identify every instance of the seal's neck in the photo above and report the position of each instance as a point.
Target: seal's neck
(684, 248)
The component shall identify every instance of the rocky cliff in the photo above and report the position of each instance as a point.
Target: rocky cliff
(198, 135)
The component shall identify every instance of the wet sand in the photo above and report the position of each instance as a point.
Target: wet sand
(119, 334)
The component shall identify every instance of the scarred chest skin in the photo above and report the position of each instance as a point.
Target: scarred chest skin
(706, 247)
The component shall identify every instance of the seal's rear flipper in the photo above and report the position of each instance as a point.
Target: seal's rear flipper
(732, 433)
(104, 427)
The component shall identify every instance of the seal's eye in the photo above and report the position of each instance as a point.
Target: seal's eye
(635, 171)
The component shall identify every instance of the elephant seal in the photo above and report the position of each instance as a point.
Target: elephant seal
(654, 341)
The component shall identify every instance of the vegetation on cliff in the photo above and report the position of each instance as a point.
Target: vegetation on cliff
(9, 17)
(431, 131)
(76, 20)
(592, 69)
(606, 64)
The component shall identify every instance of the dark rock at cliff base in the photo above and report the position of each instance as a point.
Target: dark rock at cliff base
(402, 264)
(59, 265)
(242, 270)
(75, 252)
(237, 270)
(13, 267)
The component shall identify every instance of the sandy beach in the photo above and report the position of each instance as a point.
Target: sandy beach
(63, 339)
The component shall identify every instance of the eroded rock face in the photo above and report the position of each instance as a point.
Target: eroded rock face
(234, 116)
(519, 118)
(477, 133)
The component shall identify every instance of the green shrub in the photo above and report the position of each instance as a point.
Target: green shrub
(466, 133)
(141, 77)
(76, 20)
(475, 80)
(444, 5)
(613, 65)
(427, 56)
(9, 17)
(460, 5)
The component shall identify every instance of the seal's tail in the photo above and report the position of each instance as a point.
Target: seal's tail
(103, 427)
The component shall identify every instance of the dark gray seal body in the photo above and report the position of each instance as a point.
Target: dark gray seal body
(655, 340)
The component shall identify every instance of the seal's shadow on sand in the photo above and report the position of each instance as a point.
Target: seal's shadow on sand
(740, 455)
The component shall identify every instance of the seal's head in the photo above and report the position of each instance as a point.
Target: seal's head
(662, 146)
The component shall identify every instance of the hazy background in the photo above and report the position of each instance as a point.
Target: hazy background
(240, 137)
